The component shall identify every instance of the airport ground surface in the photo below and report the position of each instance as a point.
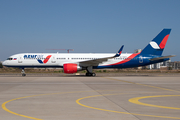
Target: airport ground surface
(126, 97)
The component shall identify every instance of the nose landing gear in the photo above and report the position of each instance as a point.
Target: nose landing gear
(23, 72)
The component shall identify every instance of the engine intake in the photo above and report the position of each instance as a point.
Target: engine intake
(71, 68)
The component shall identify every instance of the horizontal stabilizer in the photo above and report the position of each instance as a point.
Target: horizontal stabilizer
(161, 58)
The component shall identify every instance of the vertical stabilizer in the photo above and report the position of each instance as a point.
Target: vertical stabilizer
(157, 45)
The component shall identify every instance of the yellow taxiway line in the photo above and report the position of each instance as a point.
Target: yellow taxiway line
(133, 100)
(6, 109)
(136, 101)
(78, 102)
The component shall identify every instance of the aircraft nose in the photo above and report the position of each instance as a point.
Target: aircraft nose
(4, 63)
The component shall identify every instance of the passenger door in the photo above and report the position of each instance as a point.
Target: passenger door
(20, 59)
(53, 60)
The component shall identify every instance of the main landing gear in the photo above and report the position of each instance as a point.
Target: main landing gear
(90, 74)
(23, 72)
(89, 71)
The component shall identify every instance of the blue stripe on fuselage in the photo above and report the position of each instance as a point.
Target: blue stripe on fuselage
(137, 62)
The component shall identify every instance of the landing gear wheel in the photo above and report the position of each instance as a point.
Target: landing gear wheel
(91, 74)
(23, 74)
(88, 74)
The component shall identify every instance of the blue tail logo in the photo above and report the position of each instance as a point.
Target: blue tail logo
(157, 45)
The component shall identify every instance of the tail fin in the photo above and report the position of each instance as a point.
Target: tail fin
(156, 46)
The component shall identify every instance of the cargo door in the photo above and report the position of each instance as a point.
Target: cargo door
(140, 59)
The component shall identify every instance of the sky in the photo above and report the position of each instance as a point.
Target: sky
(87, 26)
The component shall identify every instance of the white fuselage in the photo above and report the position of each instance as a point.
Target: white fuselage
(58, 59)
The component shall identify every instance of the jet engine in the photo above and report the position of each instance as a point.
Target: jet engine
(71, 68)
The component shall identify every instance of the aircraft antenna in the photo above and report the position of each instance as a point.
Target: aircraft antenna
(62, 49)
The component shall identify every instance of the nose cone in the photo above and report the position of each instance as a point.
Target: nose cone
(4, 63)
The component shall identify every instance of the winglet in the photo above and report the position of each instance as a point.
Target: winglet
(119, 52)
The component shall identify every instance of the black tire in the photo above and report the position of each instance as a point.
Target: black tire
(23, 75)
(88, 74)
(93, 74)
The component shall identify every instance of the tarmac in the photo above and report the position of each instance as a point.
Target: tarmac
(71, 97)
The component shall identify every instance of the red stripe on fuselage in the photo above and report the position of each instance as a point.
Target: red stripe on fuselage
(127, 59)
(47, 59)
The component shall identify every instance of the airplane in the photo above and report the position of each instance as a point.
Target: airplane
(73, 62)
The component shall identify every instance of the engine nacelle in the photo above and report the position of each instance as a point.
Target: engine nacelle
(71, 68)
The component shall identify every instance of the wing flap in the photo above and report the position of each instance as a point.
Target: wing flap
(95, 62)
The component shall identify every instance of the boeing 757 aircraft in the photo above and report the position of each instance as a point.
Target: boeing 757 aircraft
(73, 62)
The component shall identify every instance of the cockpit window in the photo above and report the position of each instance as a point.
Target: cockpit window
(10, 59)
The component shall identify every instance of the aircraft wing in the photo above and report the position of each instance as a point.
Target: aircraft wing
(96, 62)
(161, 58)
